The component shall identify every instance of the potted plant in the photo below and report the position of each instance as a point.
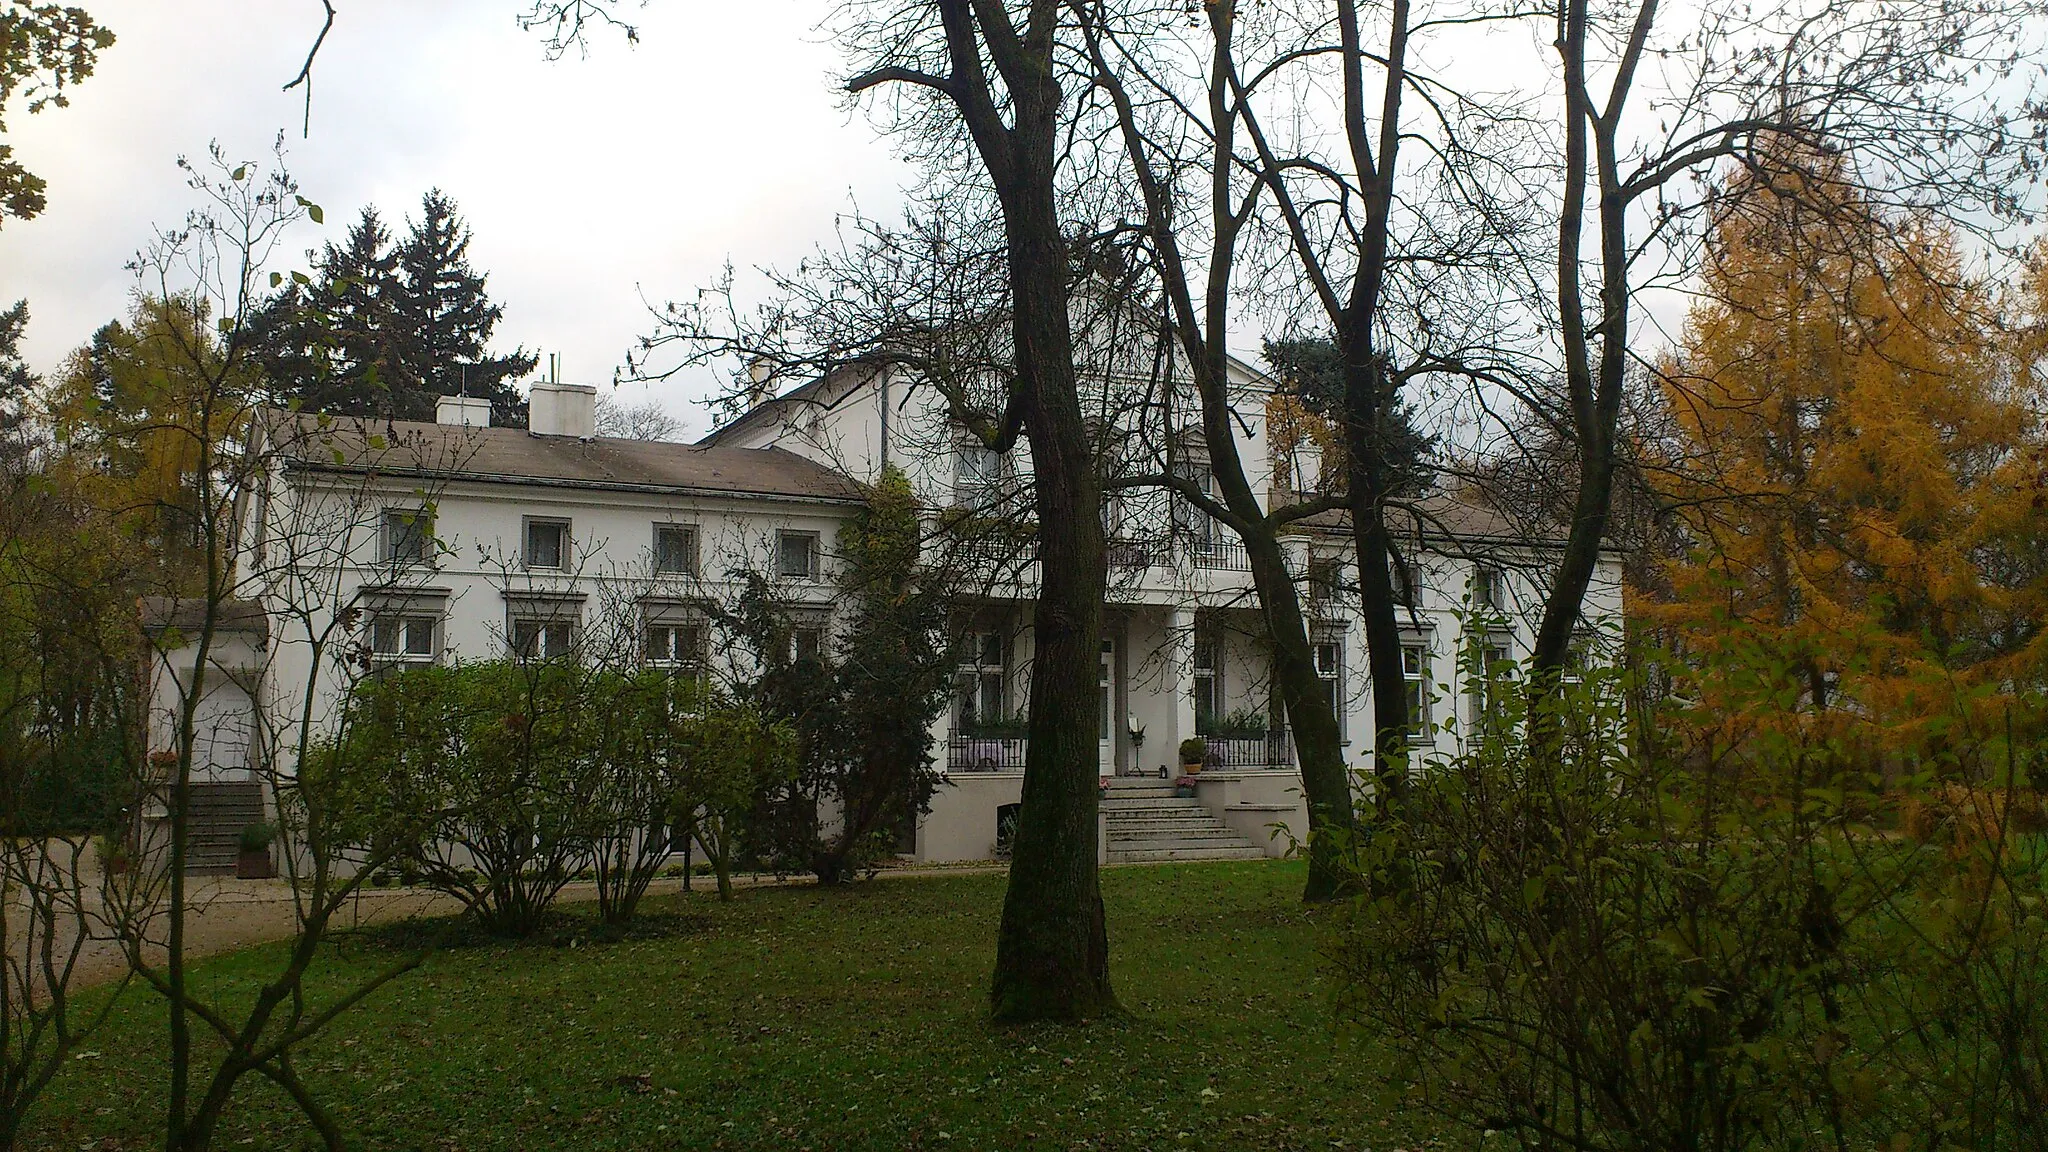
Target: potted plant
(254, 861)
(113, 853)
(1185, 786)
(1193, 751)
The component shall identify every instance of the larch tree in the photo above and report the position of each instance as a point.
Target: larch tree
(1855, 438)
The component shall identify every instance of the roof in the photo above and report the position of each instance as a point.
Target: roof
(517, 456)
(808, 394)
(1447, 516)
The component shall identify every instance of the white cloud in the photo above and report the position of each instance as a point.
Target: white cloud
(586, 180)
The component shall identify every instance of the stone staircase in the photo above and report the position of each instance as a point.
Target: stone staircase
(220, 809)
(1147, 822)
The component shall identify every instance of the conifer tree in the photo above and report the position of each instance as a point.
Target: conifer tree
(385, 328)
(1854, 435)
(446, 319)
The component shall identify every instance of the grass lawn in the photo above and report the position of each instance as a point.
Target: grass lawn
(795, 1018)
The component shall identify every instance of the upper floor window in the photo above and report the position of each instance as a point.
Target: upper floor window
(407, 536)
(408, 637)
(1325, 578)
(547, 544)
(977, 473)
(1490, 681)
(980, 680)
(675, 550)
(1407, 575)
(796, 555)
(1189, 517)
(1415, 672)
(1489, 590)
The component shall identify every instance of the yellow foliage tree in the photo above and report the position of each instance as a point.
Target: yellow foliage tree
(1856, 462)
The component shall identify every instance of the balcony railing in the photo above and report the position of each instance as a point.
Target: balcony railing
(1273, 750)
(1223, 556)
(966, 753)
(1128, 553)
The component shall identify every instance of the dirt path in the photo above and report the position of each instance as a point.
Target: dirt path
(225, 913)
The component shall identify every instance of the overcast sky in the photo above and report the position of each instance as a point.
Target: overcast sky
(587, 182)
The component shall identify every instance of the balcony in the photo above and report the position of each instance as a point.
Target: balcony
(969, 753)
(1221, 556)
(1267, 752)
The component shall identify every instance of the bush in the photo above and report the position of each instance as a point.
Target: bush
(1589, 942)
(1194, 750)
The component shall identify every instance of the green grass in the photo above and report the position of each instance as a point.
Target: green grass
(795, 1018)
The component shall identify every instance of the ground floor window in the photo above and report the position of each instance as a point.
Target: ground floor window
(1208, 682)
(979, 681)
(541, 638)
(405, 637)
(1492, 673)
(1329, 657)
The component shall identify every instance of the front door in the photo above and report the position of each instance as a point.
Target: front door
(1105, 708)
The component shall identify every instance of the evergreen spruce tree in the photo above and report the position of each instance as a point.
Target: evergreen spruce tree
(384, 329)
(447, 319)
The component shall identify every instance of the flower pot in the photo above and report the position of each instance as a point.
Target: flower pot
(1184, 790)
(254, 864)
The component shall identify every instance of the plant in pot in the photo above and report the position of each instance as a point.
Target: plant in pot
(113, 853)
(1193, 751)
(253, 863)
(1185, 786)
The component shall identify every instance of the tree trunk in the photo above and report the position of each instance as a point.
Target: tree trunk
(1052, 955)
(1318, 746)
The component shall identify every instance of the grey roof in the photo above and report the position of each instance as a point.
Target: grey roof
(516, 456)
(1463, 516)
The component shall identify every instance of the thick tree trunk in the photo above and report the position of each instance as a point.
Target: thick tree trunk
(1052, 955)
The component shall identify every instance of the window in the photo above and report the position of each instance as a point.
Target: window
(1578, 657)
(977, 474)
(1208, 682)
(1187, 517)
(979, 681)
(408, 535)
(1325, 576)
(1329, 657)
(404, 637)
(547, 544)
(671, 644)
(806, 644)
(1488, 589)
(1490, 679)
(796, 555)
(1415, 670)
(1407, 576)
(542, 637)
(675, 550)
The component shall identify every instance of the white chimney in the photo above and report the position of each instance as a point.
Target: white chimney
(463, 411)
(556, 409)
(760, 381)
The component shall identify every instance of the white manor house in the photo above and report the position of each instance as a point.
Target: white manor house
(393, 542)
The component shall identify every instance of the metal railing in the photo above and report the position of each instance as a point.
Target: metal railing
(1273, 750)
(1128, 553)
(966, 753)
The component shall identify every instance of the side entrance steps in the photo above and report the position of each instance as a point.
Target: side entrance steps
(219, 810)
(1145, 821)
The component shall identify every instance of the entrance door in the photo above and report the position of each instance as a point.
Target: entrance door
(1105, 708)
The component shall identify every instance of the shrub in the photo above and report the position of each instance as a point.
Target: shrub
(1194, 750)
(1583, 941)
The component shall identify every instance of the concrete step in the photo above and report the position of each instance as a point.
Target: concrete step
(1191, 838)
(1157, 855)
